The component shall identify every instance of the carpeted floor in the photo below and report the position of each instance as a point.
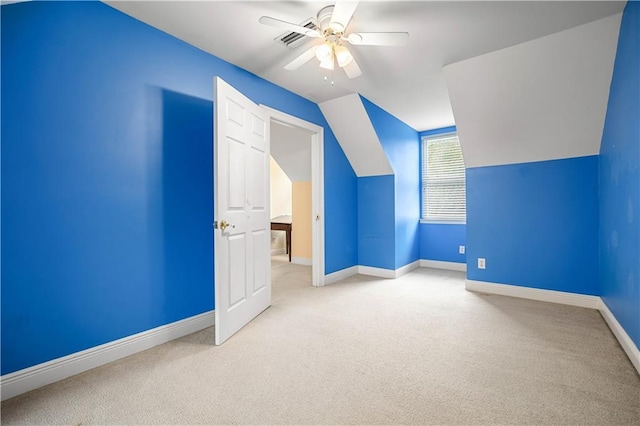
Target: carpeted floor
(416, 350)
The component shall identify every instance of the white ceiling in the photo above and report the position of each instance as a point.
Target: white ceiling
(349, 121)
(405, 81)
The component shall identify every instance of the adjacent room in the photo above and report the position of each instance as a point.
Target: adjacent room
(291, 200)
(310, 212)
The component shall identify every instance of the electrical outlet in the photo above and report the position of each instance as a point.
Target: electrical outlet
(481, 263)
(461, 249)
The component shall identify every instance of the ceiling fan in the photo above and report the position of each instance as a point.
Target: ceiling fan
(332, 22)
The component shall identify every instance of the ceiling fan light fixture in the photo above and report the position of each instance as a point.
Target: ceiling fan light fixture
(343, 56)
(331, 25)
(324, 51)
(327, 64)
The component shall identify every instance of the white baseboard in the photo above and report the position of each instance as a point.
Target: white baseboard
(22, 381)
(438, 264)
(573, 299)
(376, 272)
(388, 273)
(275, 252)
(340, 275)
(301, 261)
(371, 271)
(407, 268)
(627, 344)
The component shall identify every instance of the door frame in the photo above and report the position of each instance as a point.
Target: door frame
(317, 187)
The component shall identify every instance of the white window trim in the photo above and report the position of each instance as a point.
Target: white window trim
(423, 220)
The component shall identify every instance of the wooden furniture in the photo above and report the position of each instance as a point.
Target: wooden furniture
(283, 223)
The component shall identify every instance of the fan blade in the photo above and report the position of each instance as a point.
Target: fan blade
(267, 20)
(378, 39)
(352, 70)
(342, 13)
(301, 60)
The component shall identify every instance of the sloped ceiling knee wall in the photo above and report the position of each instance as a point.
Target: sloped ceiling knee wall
(540, 100)
(352, 127)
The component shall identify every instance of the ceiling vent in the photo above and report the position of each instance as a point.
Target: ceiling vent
(292, 40)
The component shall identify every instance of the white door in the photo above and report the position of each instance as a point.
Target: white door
(241, 208)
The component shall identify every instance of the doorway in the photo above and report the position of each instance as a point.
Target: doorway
(315, 137)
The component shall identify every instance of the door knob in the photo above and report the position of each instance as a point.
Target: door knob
(224, 225)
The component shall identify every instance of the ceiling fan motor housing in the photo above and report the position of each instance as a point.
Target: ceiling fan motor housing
(331, 35)
(327, 26)
(324, 18)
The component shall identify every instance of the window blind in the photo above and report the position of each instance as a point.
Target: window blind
(443, 179)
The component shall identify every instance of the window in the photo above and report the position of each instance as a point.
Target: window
(443, 179)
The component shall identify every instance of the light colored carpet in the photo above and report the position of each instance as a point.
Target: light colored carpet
(416, 350)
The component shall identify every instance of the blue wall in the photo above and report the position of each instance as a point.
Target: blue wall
(106, 178)
(442, 241)
(376, 215)
(536, 224)
(401, 145)
(620, 182)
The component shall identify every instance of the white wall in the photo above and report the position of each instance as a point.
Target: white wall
(540, 100)
(281, 201)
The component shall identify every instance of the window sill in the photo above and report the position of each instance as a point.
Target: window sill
(443, 222)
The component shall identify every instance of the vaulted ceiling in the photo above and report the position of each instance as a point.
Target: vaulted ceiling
(406, 81)
(291, 148)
